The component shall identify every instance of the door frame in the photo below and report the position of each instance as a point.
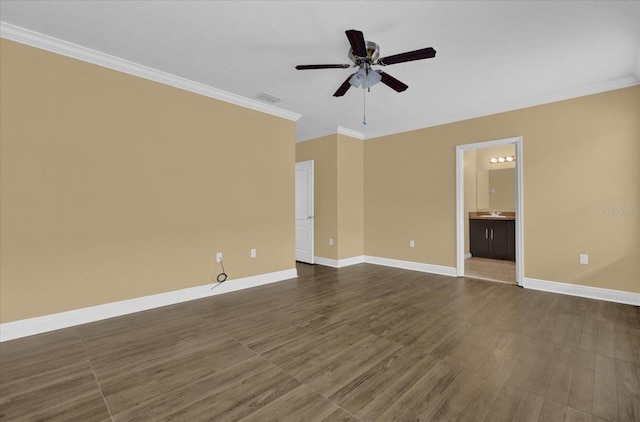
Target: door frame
(460, 217)
(311, 204)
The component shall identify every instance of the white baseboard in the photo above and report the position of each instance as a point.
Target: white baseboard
(327, 262)
(338, 263)
(37, 325)
(387, 262)
(351, 261)
(411, 265)
(610, 295)
(396, 263)
(467, 256)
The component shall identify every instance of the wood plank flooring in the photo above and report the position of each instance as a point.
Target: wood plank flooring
(361, 343)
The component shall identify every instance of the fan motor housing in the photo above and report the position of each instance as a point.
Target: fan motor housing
(373, 52)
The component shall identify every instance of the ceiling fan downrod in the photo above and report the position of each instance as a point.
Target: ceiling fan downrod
(364, 106)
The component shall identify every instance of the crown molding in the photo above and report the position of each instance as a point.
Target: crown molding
(487, 111)
(516, 105)
(349, 132)
(55, 45)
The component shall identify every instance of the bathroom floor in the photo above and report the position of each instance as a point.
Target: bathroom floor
(490, 269)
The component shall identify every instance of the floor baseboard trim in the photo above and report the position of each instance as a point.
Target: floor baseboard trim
(27, 327)
(387, 262)
(327, 262)
(338, 263)
(599, 293)
(411, 265)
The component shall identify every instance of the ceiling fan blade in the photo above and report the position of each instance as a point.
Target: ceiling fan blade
(344, 87)
(392, 82)
(321, 66)
(356, 39)
(424, 53)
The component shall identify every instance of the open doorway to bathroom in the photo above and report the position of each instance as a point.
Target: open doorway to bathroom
(489, 210)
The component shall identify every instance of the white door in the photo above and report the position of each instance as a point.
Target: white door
(304, 212)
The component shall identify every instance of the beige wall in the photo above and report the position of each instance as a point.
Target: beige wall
(350, 197)
(409, 194)
(580, 157)
(114, 187)
(339, 195)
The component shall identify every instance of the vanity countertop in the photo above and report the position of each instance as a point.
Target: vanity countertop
(486, 215)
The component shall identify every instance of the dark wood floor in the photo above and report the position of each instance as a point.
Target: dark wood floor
(362, 343)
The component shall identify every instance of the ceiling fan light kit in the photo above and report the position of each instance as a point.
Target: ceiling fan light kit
(365, 78)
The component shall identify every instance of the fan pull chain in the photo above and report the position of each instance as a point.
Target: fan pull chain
(364, 107)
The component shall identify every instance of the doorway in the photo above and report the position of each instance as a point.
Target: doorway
(304, 212)
(462, 214)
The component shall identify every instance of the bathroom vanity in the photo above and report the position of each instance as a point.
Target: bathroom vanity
(492, 236)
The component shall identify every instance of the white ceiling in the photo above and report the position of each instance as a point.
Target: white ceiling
(492, 56)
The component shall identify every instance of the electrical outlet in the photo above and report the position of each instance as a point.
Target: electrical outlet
(584, 258)
(412, 244)
(330, 242)
(253, 253)
(219, 257)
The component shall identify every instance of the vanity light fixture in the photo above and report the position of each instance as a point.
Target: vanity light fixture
(508, 158)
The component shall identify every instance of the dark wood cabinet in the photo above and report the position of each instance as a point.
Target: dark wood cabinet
(492, 239)
(511, 240)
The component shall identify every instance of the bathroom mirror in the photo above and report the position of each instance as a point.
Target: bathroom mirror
(496, 189)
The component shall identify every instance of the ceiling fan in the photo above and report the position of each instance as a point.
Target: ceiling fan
(366, 54)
